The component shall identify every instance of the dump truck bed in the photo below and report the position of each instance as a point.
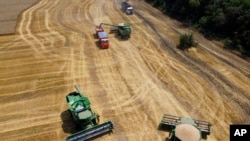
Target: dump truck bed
(102, 35)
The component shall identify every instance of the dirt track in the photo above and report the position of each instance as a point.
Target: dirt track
(133, 83)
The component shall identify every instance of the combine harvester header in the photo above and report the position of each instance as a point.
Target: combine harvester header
(92, 132)
(85, 118)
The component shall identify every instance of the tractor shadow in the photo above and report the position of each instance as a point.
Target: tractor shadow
(68, 125)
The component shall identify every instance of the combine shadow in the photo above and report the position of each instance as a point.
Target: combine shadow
(68, 125)
(119, 37)
(165, 128)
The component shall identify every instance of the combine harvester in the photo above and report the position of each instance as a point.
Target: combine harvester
(85, 118)
(122, 29)
(185, 129)
(103, 37)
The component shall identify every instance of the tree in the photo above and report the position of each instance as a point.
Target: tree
(187, 41)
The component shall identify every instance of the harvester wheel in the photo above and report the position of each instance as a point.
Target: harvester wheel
(97, 119)
(77, 126)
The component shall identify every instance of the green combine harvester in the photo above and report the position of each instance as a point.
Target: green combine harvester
(122, 29)
(85, 118)
(184, 129)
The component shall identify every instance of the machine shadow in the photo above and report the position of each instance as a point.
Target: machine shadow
(95, 36)
(68, 124)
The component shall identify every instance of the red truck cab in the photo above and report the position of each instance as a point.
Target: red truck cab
(102, 36)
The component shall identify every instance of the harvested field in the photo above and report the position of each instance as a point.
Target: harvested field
(10, 9)
(133, 83)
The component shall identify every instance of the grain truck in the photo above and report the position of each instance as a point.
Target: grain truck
(102, 37)
(128, 9)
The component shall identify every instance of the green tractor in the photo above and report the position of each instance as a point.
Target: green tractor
(122, 29)
(184, 129)
(85, 118)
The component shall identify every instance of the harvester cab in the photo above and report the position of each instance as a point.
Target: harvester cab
(182, 129)
(85, 118)
(123, 29)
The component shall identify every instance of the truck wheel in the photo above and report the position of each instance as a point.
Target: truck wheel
(97, 118)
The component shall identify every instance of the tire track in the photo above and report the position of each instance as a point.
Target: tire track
(132, 83)
(197, 66)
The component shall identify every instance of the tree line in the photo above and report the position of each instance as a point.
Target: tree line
(224, 19)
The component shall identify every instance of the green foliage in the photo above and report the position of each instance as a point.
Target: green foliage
(194, 3)
(229, 19)
(187, 41)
